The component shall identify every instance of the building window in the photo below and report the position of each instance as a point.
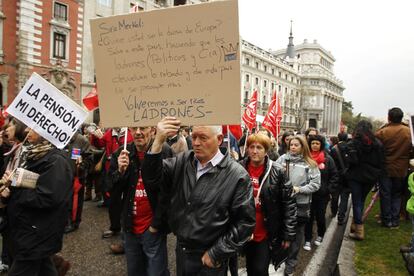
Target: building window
(257, 65)
(280, 74)
(59, 45)
(273, 71)
(264, 99)
(247, 61)
(247, 78)
(265, 83)
(60, 12)
(257, 81)
(107, 3)
(246, 95)
(280, 88)
(273, 86)
(265, 68)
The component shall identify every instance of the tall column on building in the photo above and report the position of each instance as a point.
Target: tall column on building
(332, 115)
(336, 117)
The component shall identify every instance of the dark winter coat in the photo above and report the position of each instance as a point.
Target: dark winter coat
(329, 179)
(215, 212)
(38, 216)
(340, 152)
(79, 141)
(278, 203)
(366, 161)
(128, 182)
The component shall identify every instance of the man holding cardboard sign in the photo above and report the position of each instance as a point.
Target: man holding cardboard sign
(211, 206)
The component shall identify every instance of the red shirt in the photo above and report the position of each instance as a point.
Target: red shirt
(260, 232)
(142, 212)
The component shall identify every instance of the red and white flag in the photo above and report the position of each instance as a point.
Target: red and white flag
(91, 100)
(274, 116)
(249, 116)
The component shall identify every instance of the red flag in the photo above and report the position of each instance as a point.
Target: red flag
(236, 130)
(273, 117)
(249, 116)
(91, 100)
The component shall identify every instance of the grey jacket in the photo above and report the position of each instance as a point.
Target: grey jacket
(302, 175)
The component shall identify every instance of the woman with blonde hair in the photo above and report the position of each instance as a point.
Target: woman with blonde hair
(303, 171)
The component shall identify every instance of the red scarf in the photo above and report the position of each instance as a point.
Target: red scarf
(319, 157)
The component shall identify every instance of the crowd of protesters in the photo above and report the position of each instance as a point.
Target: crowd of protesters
(221, 196)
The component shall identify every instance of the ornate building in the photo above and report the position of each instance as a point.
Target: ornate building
(43, 37)
(303, 76)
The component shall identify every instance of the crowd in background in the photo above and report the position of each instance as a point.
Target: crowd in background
(294, 177)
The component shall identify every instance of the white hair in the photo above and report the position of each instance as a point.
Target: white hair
(216, 130)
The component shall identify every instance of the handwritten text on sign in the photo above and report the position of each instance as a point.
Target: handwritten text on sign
(181, 62)
(42, 107)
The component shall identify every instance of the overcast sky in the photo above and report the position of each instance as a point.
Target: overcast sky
(372, 42)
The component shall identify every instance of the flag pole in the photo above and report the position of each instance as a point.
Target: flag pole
(228, 138)
(126, 137)
(245, 143)
(276, 122)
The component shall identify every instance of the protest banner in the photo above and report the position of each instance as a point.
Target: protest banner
(181, 61)
(46, 110)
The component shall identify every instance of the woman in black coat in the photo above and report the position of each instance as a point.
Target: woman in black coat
(275, 206)
(366, 163)
(329, 184)
(37, 215)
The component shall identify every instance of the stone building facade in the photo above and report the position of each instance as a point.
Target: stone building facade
(303, 76)
(43, 37)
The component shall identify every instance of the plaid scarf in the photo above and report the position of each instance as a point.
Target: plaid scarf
(35, 152)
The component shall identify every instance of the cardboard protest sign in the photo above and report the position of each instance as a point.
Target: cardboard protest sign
(411, 119)
(182, 61)
(46, 110)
